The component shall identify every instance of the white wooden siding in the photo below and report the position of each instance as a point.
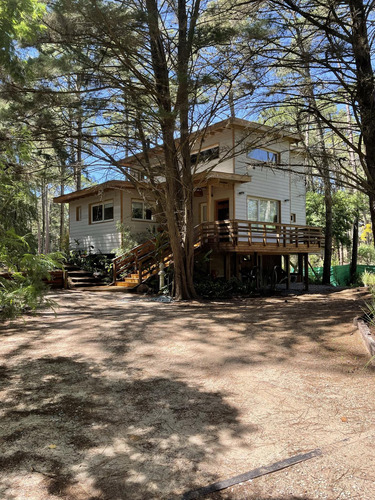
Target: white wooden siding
(224, 140)
(137, 227)
(100, 237)
(287, 188)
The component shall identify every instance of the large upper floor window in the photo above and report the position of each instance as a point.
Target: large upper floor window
(141, 211)
(205, 155)
(263, 155)
(133, 173)
(102, 212)
(259, 209)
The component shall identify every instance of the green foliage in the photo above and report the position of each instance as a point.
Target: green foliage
(20, 22)
(99, 265)
(26, 289)
(129, 240)
(368, 279)
(345, 206)
(366, 254)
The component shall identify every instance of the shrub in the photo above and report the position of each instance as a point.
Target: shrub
(366, 254)
(368, 279)
(98, 264)
(222, 289)
(26, 289)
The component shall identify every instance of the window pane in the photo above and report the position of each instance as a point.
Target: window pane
(148, 213)
(252, 209)
(108, 211)
(262, 155)
(205, 155)
(97, 213)
(137, 210)
(268, 211)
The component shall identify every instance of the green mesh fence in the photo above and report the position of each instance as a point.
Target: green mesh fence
(340, 275)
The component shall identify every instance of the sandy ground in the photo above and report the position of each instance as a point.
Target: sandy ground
(116, 397)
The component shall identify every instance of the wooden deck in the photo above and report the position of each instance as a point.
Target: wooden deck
(229, 236)
(244, 237)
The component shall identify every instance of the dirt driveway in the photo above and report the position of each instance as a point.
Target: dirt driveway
(116, 397)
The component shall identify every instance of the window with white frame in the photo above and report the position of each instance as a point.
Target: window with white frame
(102, 212)
(263, 210)
(205, 155)
(263, 155)
(141, 211)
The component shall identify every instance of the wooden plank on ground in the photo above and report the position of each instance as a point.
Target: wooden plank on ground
(260, 471)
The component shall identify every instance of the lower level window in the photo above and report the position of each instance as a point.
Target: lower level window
(141, 211)
(102, 212)
(262, 210)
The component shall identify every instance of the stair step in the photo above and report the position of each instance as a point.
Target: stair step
(87, 279)
(72, 268)
(78, 284)
(79, 273)
(125, 284)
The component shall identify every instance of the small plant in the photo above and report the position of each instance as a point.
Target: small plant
(368, 279)
(222, 289)
(366, 254)
(25, 290)
(100, 265)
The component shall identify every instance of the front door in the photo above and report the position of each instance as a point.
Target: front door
(222, 209)
(221, 214)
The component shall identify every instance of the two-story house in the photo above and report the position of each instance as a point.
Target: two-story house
(249, 204)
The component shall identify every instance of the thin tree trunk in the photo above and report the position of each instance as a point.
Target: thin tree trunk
(47, 242)
(62, 215)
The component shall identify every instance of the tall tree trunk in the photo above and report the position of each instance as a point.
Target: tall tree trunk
(40, 243)
(322, 163)
(178, 201)
(354, 259)
(78, 171)
(62, 213)
(355, 238)
(365, 93)
(47, 218)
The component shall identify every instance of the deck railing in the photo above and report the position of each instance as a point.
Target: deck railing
(228, 235)
(256, 235)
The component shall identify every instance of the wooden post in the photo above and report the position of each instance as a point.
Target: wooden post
(140, 270)
(260, 271)
(237, 266)
(209, 187)
(300, 267)
(114, 272)
(227, 266)
(306, 257)
(287, 265)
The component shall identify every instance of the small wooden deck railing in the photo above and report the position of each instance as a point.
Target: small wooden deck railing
(236, 235)
(142, 260)
(229, 236)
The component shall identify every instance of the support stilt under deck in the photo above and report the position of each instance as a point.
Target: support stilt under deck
(306, 259)
(287, 266)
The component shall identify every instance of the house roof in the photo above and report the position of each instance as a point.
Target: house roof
(219, 127)
(200, 178)
(93, 190)
(204, 177)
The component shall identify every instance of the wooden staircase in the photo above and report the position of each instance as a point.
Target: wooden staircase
(79, 278)
(229, 236)
(135, 267)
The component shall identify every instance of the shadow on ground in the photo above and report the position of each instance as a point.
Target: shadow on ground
(92, 420)
(128, 439)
